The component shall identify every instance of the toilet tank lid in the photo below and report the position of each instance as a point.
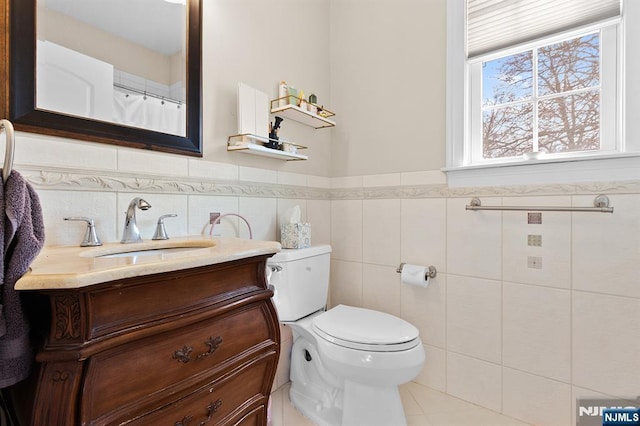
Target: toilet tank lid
(287, 255)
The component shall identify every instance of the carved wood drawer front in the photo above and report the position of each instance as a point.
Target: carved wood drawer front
(254, 418)
(138, 301)
(139, 373)
(226, 401)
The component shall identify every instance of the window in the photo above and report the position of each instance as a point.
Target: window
(541, 80)
(545, 100)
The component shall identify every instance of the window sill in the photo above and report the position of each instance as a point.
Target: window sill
(603, 168)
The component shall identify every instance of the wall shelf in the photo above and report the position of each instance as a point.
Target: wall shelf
(296, 113)
(252, 144)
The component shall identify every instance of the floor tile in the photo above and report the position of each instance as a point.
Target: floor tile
(423, 407)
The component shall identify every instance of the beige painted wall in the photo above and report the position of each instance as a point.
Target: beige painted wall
(259, 43)
(388, 85)
(379, 66)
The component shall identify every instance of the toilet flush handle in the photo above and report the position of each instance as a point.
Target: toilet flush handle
(270, 270)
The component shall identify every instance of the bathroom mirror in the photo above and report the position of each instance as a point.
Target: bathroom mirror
(125, 72)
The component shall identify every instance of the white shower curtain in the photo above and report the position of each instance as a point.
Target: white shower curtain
(151, 113)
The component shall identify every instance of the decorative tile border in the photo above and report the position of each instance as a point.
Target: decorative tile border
(443, 191)
(83, 180)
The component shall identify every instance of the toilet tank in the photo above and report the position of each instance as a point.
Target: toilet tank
(301, 281)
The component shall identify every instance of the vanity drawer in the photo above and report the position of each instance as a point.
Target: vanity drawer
(237, 398)
(140, 373)
(256, 417)
(128, 304)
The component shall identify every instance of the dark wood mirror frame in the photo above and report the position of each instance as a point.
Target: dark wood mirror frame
(18, 96)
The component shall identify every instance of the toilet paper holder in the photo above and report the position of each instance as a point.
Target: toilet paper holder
(431, 273)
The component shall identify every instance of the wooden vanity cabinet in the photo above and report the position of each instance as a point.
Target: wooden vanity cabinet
(186, 348)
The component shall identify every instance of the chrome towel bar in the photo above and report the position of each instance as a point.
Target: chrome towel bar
(600, 204)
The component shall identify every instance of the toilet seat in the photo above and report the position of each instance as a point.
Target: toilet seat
(365, 329)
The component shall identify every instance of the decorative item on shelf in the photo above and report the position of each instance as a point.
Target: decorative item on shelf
(273, 134)
(293, 96)
(323, 113)
(302, 102)
(311, 106)
(283, 91)
(289, 147)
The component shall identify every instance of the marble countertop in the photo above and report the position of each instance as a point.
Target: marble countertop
(61, 267)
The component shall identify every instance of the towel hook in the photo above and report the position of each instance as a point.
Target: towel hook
(8, 156)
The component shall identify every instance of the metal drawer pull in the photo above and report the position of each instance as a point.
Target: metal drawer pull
(184, 422)
(184, 355)
(213, 343)
(211, 410)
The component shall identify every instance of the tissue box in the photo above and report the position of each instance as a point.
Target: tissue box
(295, 235)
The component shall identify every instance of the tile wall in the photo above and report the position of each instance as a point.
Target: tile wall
(525, 340)
(109, 177)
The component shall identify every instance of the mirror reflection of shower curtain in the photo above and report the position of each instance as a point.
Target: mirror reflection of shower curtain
(137, 110)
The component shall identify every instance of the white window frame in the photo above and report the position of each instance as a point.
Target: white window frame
(608, 88)
(619, 161)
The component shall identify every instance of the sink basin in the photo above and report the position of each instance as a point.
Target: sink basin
(148, 252)
(150, 248)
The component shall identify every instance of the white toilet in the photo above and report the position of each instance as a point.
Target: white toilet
(347, 362)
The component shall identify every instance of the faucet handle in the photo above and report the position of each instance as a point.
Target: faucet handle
(161, 232)
(90, 237)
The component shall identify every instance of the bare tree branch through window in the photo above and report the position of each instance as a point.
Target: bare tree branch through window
(546, 100)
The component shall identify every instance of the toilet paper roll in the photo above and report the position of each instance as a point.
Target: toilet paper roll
(415, 275)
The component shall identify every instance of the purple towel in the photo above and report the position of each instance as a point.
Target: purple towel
(23, 235)
(3, 322)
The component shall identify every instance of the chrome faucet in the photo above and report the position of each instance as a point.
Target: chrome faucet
(131, 233)
(90, 237)
(161, 232)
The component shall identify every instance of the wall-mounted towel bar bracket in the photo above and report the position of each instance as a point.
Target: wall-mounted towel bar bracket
(600, 204)
(431, 273)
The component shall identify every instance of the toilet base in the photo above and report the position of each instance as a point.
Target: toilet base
(329, 401)
(362, 405)
(314, 391)
(365, 405)
(322, 416)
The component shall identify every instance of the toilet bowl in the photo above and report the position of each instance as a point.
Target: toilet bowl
(346, 362)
